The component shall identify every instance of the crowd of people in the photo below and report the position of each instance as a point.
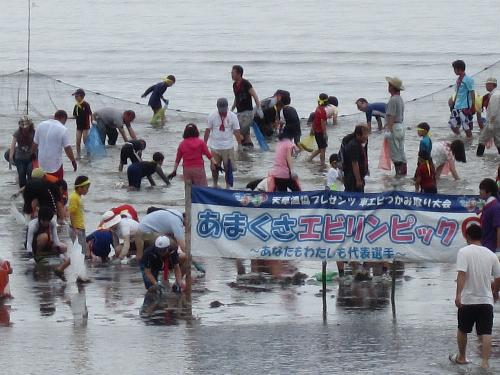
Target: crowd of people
(156, 240)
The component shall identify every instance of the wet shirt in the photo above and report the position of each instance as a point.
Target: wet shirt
(76, 213)
(376, 110)
(157, 92)
(164, 222)
(490, 222)
(23, 146)
(355, 152)
(319, 116)
(395, 108)
(463, 97)
(82, 113)
(111, 117)
(243, 99)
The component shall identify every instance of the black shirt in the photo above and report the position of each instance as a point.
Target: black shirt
(153, 260)
(354, 152)
(242, 96)
(82, 114)
(292, 122)
(148, 168)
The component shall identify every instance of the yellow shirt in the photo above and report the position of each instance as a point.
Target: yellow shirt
(75, 208)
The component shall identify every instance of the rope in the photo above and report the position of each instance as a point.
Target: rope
(203, 113)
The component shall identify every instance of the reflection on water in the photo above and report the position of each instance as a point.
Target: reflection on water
(165, 309)
(363, 295)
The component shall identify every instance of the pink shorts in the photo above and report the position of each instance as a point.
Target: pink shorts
(196, 175)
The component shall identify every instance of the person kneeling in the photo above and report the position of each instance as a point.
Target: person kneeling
(43, 241)
(164, 248)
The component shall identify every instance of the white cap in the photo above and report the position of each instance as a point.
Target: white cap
(491, 80)
(109, 219)
(162, 242)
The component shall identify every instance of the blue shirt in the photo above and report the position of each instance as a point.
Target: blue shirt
(375, 109)
(157, 92)
(464, 99)
(425, 144)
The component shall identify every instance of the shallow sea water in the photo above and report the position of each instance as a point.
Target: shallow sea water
(120, 48)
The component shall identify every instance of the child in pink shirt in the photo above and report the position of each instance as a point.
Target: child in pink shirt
(284, 176)
(191, 150)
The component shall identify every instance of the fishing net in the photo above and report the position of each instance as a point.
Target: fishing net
(47, 94)
(433, 107)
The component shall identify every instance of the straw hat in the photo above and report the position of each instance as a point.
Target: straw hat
(110, 219)
(395, 82)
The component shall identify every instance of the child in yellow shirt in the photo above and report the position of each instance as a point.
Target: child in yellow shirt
(76, 212)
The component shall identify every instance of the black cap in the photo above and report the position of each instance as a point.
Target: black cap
(79, 92)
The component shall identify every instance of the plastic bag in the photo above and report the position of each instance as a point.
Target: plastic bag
(260, 137)
(159, 117)
(229, 173)
(307, 143)
(19, 217)
(77, 260)
(385, 156)
(94, 145)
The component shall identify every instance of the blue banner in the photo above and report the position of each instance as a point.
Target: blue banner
(328, 225)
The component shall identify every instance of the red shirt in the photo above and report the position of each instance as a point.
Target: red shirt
(126, 207)
(319, 116)
(427, 175)
(191, 150)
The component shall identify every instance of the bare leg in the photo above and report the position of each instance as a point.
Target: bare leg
(78, 143)
(456, 130)
(468, 134)
(215, 175)
(85, 134)
(314, 154)
(322, 156)
(486, 350)
(462, 346)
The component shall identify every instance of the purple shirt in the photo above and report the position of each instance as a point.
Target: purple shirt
(490, 221)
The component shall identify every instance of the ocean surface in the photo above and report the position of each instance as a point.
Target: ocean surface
(119, 48)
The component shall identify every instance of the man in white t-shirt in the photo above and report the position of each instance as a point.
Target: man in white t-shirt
(476, 265)
(222, 125)
(51, 137)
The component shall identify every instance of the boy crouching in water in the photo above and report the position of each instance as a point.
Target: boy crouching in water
(43, 241)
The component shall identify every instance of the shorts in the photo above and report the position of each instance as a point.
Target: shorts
(154, 272)
(82, 126)
(196, 175)
(100, 243)
(80, 236)
(321, 140)
(350, 184)
(224, 156)
(128, 152)
(481, 315)
(245, 119)
(59, 174)
(134, 175)
(459, 119)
